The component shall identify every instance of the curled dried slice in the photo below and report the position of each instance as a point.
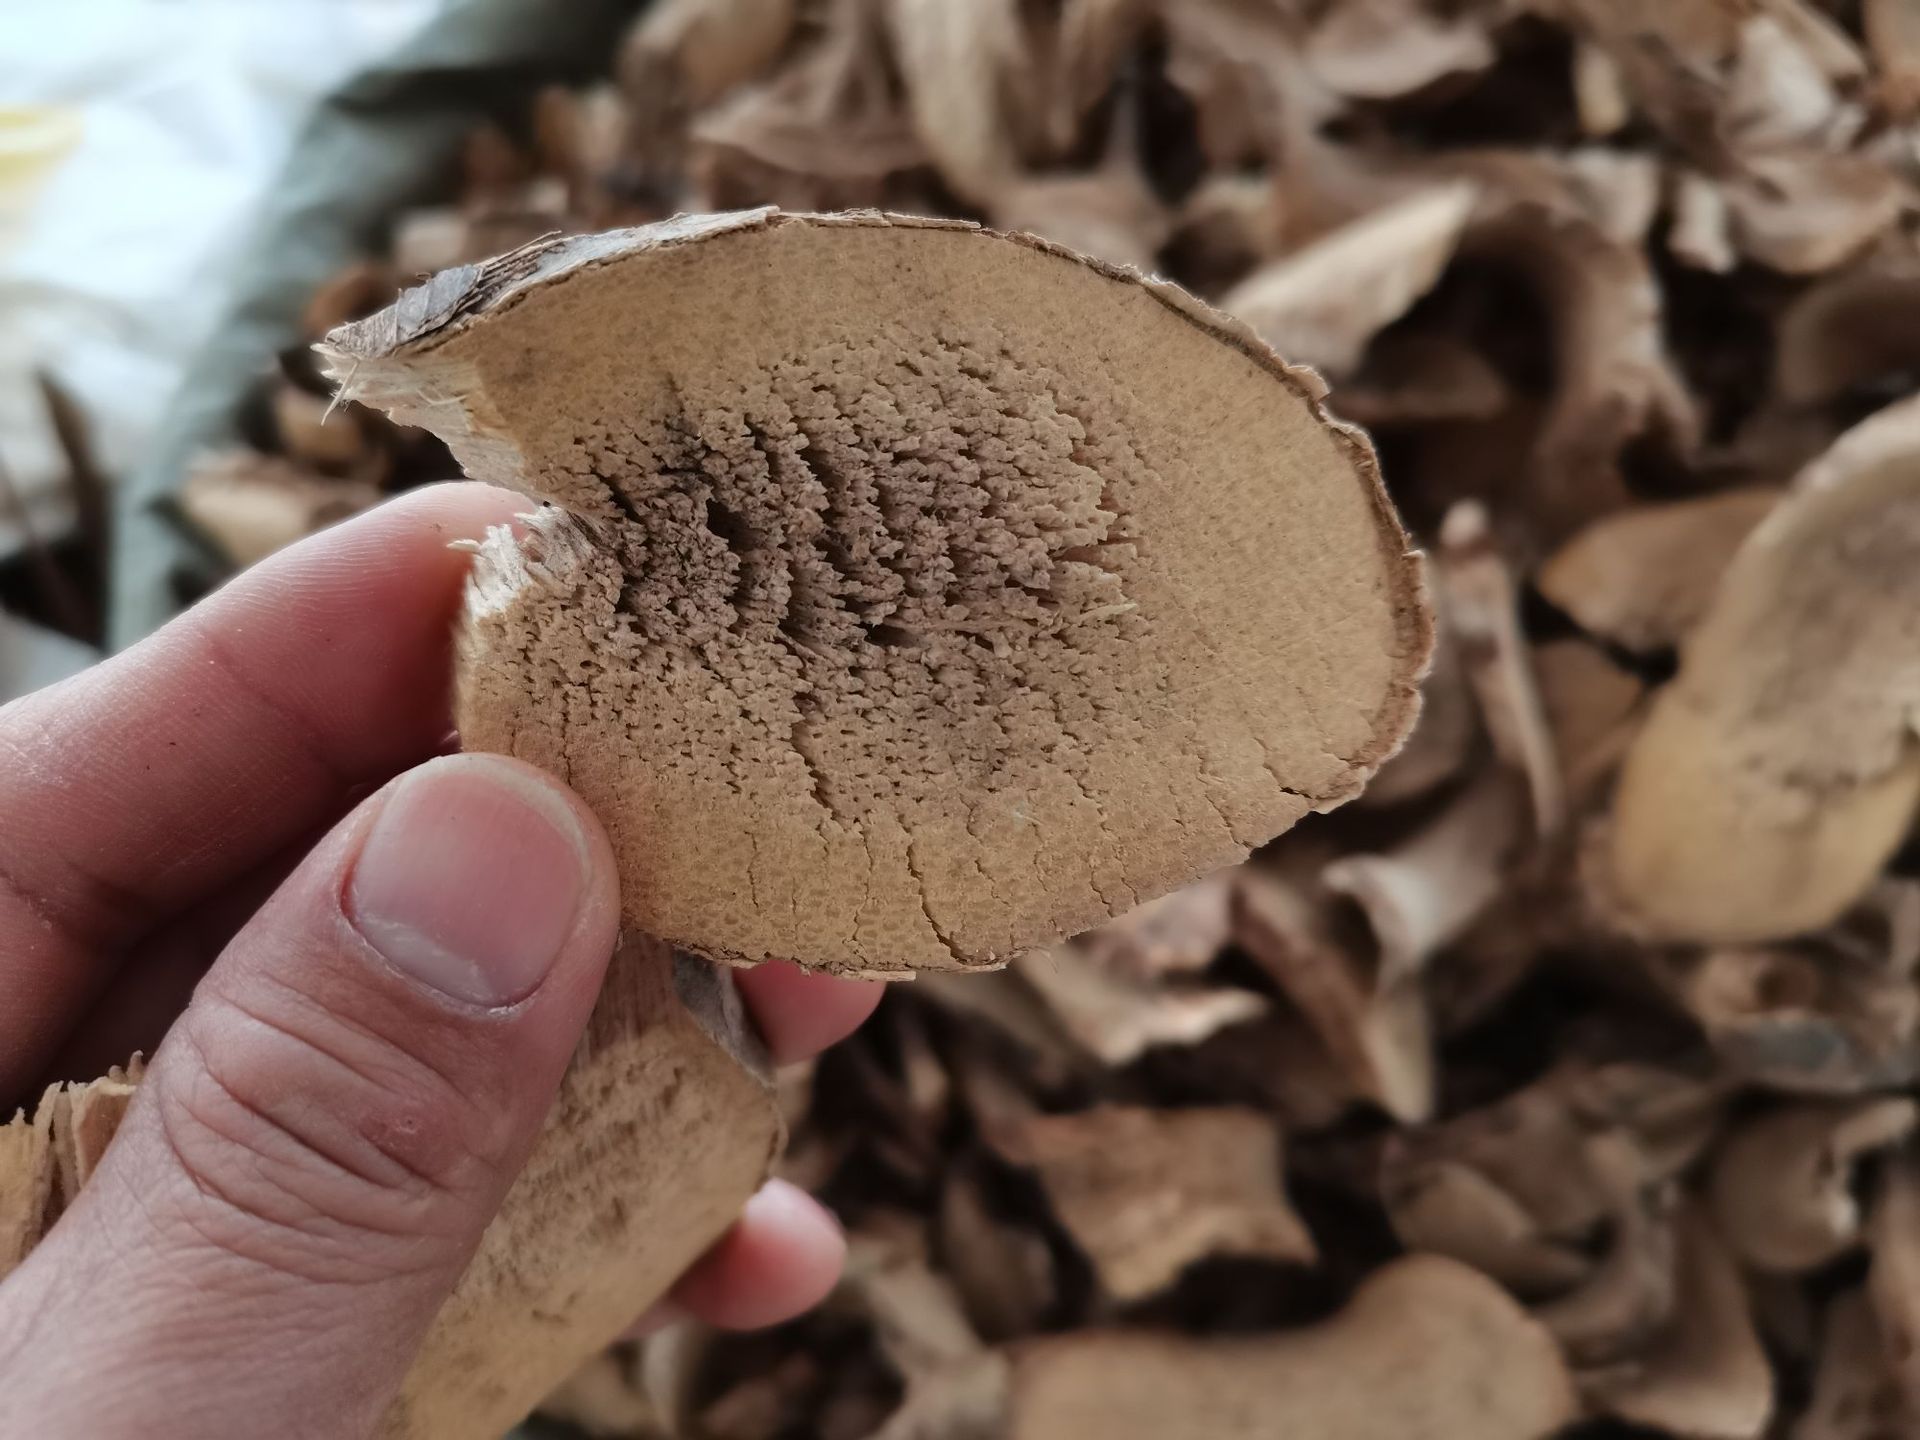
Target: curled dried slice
(1414, 1353)
(1521, 1188)
(1176, 934)
(1452, 1209)
(1854, 328)
(1779, 770)
(1856, 1394)
(1615, 382)
(1705, 1375)
(1643, 577)
(1110, 214)
(913, 594)
(1702, 231)
(1118, 1016)
(1003, 1270)
(1323, 304)
(1893, 33)
(698, 49)
(824, 132)
(1782, 1184)
(1589, 703)
(1804, 1021)
(1777, 94)
(1411, 378)
(1145, 1193)
(1380, 49)
(1426, 891)
(1369, 1012)
(249, 505)
(961, 66)
(1804, 211)
(1483, 607)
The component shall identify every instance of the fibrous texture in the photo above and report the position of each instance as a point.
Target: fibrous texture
(911, 595)
(1687, 271)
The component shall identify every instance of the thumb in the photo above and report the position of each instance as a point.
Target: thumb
(328, 1129)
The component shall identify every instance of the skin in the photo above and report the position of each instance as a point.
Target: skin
(185, 835)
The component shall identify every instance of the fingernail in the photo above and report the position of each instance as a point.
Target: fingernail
(470, 879)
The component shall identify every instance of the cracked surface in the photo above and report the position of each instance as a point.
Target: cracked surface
(904, 558)
(911, 596)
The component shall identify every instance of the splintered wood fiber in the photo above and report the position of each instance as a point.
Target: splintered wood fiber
(924, 593)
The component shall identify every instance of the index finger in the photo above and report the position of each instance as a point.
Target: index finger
(152, 780)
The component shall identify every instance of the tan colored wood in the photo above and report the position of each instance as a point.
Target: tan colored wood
(666, 1123)
(1779, 770)
(1427, 1347)
(26, 1182)
(914, 595)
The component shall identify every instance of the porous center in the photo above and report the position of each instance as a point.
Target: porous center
(908, 560)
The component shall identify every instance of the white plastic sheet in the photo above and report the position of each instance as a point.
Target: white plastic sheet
(136, 139)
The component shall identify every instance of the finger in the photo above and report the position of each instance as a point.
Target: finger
(781, 1258)
(801, 1012)
(324, 1136)
(157, 777)
(141, 1002)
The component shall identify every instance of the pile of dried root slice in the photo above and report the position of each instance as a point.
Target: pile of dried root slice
(1561, 1082)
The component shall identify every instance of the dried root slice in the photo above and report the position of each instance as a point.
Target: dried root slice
(1519, 1189)
(86, 1117)
(1449, 1208)
(919, 1321)
(1004, 1271)
(27, 1175)
(251, 505)
(695, 50)
(914, 594)
(1617, 382)
(1893, 1282)
(1852, 329)
(1856, 1392)
(1368, 1012)
(1804, 1020)
(1424, 893)
(1643, 577)
(604, 1398)
(1804, 211)
(1379, 49)
(1590, 705)
(1130, 985)
(1779, 770)
(1323, 304)
(1427, 1347)
(1177, 934)
(601, 1222)
(45, 1159)
(1117, 1017)
(1483, 608)
(1145, 1193)
(1782, 1185)
(1893, 33)
(1706, 1375)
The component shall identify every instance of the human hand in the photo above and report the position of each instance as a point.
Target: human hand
(385, 989)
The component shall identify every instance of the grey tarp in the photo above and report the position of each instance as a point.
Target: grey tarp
(388, 137)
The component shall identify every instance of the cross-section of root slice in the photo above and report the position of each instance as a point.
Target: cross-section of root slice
(910, 594)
